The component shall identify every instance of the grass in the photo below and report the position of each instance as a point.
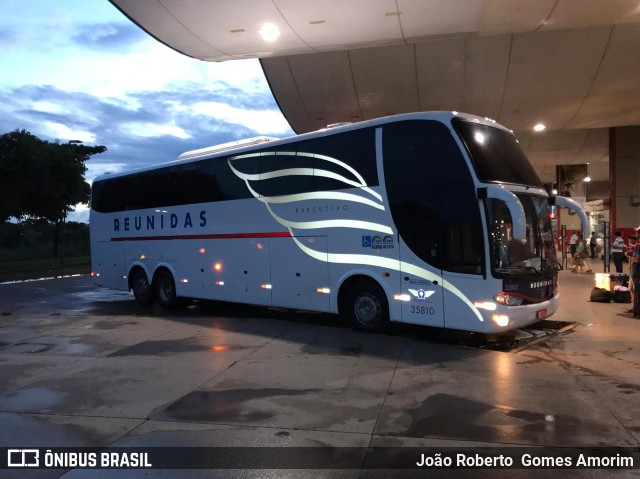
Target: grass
(28, 269)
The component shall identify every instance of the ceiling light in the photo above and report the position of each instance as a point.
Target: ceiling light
(269, 32)
(587, 179)
(539, 127)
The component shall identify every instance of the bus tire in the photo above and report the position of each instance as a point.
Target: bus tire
(165, 287)
(142, 289)
(367, 308)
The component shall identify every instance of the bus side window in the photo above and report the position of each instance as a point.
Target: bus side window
(425, 169)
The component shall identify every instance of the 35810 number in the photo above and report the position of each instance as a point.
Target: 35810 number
(425, 310)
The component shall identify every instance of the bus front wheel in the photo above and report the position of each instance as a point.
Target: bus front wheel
(165, 289)
(367, 307)
(142, 290)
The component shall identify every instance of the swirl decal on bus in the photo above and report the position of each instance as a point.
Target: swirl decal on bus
(350, 178)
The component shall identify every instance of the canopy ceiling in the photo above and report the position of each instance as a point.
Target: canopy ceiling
(573, 65)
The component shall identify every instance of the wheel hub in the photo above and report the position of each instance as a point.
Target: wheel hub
(366, 308)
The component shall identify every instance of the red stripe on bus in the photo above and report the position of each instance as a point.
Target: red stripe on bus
(276, 234)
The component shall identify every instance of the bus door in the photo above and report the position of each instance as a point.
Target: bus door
(421, 276)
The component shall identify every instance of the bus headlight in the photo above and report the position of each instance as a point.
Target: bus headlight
(508, 299)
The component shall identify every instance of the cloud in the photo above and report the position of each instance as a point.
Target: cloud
(109, 36)
(151, 130)
(264, 121)
(143, 128)
(8, 37)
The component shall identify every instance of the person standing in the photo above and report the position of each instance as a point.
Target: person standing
(617, 251)
(593, 241)
(631, 253)
(580, 258)
(572, 244)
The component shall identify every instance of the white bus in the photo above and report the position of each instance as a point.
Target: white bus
(434, 218)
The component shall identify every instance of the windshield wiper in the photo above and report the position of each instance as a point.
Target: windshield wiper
(529, 268)
(514, 268)
(553, 263)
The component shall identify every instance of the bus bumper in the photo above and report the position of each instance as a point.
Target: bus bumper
(508, 318)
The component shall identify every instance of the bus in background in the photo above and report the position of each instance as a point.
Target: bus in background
(434, 219)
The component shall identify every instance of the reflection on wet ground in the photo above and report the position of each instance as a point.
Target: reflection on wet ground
(86, 365)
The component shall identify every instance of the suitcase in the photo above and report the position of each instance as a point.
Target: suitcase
(636, 298)
(622, 296)
(600, 295)
(619, 280)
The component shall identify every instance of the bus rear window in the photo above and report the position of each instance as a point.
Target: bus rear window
(496, 155)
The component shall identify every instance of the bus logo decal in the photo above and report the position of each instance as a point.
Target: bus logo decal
(422, 295)
(377, 242)
(368, 197)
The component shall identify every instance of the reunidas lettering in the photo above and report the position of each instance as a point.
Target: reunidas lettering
(160, 221)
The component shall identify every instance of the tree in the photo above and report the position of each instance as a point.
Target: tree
(42, 179)
(21, 166)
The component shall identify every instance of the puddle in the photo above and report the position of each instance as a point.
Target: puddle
(50, 344)
(108, 325)
(448, 416)
(30, 400)
(47, 278)
(173, 346)
(349, 349)
(226, 405)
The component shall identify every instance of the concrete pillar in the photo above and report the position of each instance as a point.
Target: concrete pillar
(624, 174)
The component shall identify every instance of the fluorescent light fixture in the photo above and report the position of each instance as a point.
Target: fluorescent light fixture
(539, 127)
(269, 32)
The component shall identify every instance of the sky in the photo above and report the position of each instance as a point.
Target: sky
(80, 70)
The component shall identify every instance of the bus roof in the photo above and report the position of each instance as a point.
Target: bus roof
(232, 145)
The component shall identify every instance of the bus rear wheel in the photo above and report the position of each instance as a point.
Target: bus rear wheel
(367, 307)
(142, 290)
(165, 288)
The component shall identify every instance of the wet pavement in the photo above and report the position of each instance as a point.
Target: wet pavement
(82, 366)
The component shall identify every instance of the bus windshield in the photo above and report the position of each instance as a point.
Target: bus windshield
(496, 154)
(537, 253)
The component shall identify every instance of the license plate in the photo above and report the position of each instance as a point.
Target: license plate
(541, 314)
